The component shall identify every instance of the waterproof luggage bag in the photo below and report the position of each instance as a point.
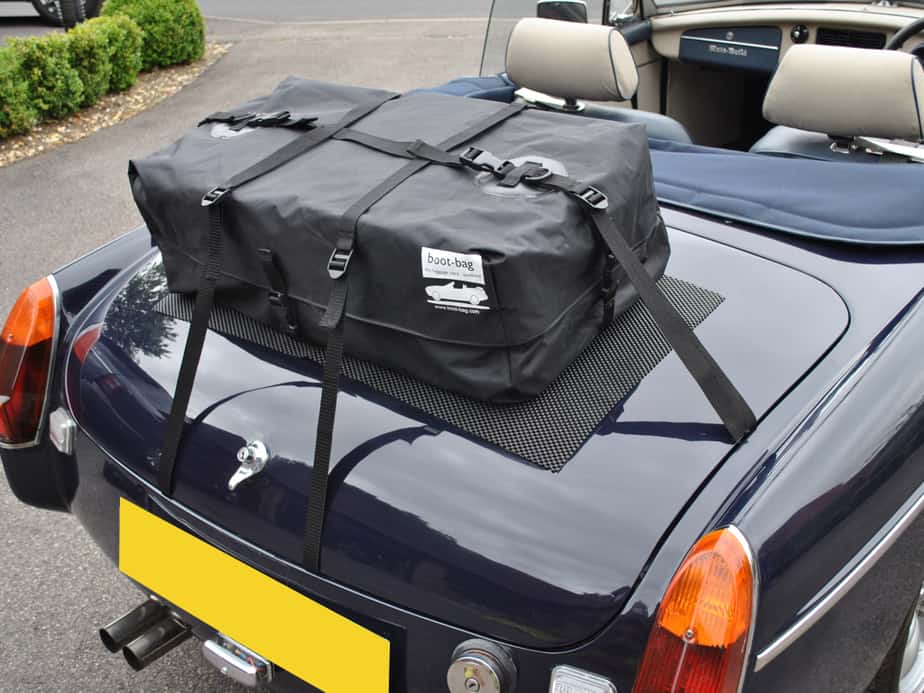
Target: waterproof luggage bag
(486, 290)
(475, 245)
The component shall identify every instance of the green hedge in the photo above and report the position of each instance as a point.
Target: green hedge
(123, 38)
(89, 48)
(54, 75)
(17, 113)
(174, 30)
(54, 83)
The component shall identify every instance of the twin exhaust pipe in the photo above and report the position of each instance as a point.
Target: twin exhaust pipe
(148, 632)
(144, 634)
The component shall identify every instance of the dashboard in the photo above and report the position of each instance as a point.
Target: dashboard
(745, 48)
(756, 37)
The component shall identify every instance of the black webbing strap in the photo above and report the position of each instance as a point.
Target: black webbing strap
(728, 403)
(336, 307)
(192, 352)
(279, 292)
(418, 149)
(205, 295)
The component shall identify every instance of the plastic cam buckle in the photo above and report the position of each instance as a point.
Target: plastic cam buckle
(213, 196)
(592, 197)
(338, 263)
(483, 161)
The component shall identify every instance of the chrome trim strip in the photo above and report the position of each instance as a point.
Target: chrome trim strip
(828, 601)
(56, 298)
(755, 585)
(729, 43)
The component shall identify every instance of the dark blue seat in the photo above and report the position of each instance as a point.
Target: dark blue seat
(496, 88)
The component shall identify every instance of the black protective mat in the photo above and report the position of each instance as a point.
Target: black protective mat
(546, 431)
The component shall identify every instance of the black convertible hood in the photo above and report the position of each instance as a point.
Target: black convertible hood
(434, 520)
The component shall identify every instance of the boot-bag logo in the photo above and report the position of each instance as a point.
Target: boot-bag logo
(460, 280)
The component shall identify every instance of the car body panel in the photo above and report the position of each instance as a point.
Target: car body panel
(878, 287)
(793, 519)
(421, 515)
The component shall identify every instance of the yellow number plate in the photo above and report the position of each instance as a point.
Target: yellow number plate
(301, 636)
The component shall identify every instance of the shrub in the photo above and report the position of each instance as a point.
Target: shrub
(17, 114)
(123, 39)
(53, 83)
(89, 48)
(173, 30)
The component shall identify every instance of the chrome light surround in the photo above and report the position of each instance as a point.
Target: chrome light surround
(567, 679)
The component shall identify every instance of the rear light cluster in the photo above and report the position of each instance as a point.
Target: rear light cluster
(699, 641)
(27, 345)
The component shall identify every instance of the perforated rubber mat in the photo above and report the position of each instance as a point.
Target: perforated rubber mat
(546, 431)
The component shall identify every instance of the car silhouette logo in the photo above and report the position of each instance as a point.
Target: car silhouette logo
(457, 293)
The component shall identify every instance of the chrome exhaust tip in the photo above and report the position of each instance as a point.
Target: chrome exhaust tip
(123, 630)
(155, 642)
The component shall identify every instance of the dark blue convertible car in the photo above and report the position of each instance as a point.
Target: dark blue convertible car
(635, 550)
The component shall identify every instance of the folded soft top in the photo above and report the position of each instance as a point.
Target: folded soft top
(880, 204)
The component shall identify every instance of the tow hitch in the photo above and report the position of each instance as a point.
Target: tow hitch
(151, 630)
(237, 662)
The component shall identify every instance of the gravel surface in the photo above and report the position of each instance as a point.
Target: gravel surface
(110, 109)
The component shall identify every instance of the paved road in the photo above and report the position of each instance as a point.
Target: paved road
(56, 588)
(20, 19)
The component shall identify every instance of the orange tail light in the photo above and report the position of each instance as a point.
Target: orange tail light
(26, 350)
(699, 640)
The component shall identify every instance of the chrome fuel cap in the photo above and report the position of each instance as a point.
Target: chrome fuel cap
(480, 666)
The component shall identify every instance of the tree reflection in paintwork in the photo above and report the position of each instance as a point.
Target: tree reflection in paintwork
(151, 334)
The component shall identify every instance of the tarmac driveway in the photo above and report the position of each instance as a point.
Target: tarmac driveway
(56, 588)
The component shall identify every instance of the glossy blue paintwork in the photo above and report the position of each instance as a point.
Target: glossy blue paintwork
(833, 452)
(422, 516)
(837, 436)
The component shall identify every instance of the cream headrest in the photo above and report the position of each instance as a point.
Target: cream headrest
(848, 92)
(571, 60)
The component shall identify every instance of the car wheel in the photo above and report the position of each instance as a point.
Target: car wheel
(72, 12)
(91, 8)
(903, 668)
(48, 11)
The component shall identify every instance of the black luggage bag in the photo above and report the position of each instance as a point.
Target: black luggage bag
(454, 278)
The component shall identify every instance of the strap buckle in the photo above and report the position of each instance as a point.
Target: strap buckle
(592, 197)
(269, 119)
(338, 263)
(213, 196)
(227, 118)
(481, 160)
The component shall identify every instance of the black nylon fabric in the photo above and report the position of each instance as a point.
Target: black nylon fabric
(542, 261)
